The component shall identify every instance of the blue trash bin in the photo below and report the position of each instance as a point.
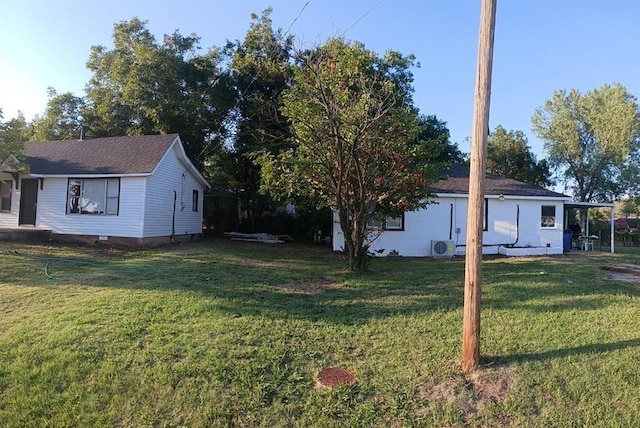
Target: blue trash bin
(566, 240)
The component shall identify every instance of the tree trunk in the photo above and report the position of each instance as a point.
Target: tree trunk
(353, 232)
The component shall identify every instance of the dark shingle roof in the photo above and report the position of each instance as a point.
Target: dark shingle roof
(113, 155)
(458, 182)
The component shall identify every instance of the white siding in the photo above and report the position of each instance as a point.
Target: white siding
(510, 222)
(51, 211)
(172, 177)
(10, 219)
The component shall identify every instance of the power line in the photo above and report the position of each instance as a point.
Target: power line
(296, 18)
(208, 148)
(361, 18)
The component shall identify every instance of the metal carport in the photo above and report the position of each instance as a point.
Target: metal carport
(585, 206)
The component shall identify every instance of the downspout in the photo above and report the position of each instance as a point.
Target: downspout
(173, 220)
(517, 225)
(451, 222)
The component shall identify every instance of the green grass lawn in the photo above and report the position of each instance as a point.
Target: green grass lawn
(222, 333)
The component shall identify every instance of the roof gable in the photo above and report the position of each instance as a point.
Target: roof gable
(457, 181)
(112, 155)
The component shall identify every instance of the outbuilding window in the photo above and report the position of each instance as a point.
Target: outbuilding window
(548, 217)
(194, 202)
(389, 223)
(5, 195)
(99, 196)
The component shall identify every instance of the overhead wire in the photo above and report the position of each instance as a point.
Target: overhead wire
(361, 18)
(296, 18)
(209, 147)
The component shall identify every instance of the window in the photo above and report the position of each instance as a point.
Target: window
(548, 218)
(194, 203)
(99, 196)
(5, 195)
(389, 223)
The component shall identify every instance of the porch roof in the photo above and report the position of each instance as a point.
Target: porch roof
(577, 205)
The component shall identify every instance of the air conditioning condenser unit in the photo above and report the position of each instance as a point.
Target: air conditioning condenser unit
(443, 248)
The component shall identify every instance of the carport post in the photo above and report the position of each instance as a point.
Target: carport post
(613, 236)
(586, 226)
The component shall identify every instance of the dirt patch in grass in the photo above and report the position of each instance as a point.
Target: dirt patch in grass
(115, 251)
(247, 262)
(334, 377)
(490, 384)
(470, 393)
(624, 272)
(310, 286)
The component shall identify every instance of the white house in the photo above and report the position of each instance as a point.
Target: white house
(519, 219)
(140, 190)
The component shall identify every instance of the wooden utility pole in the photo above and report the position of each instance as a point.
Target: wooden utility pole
(480, 133)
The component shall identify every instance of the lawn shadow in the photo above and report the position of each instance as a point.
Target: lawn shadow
(349, 299)
(252, 279)
(593, 348)
(257, 280)
(551, 284)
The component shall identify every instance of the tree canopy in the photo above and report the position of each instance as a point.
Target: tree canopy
(434, 136)
(13, 134)
(62, 118)
(354, 140)
(145, 87)
(259, 70)
(629, 206)
(592, 138)
(509, 155)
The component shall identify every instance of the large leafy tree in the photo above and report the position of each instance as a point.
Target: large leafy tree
(509, 155)
(629, 206)
(13, 134)
(354, 135)
(592, 138)
(435, 138)
(62, 118)
(145, 87)
(260, 69)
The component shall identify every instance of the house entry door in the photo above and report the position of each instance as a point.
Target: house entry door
(28, 201)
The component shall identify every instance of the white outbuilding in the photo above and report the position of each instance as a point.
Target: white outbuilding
(519, 219)
(140, 190)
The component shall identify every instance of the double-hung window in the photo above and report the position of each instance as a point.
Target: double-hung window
(5, 195)
(548, 216)
(99, 196)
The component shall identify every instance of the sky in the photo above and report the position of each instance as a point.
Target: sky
(540, 46)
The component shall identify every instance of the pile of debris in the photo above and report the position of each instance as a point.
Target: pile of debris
(265, 238)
